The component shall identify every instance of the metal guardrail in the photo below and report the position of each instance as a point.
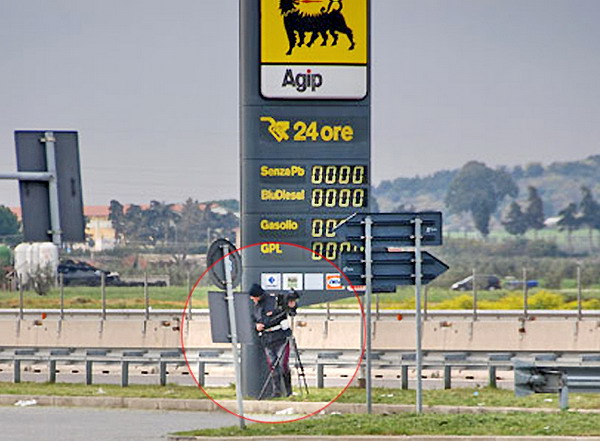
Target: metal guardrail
(551, 376)
(91, 357)
(329, 314)
(320, 360)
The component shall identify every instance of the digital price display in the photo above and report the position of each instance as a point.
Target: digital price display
(305, 152)
(300, 180)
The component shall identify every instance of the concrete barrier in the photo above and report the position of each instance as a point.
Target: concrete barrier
(438, 335)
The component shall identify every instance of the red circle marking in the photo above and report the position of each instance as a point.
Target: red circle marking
(182, 327)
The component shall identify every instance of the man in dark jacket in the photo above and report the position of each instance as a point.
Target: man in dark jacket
(272, 325)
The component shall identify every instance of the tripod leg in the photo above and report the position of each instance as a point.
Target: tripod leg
(285, 376)
(299, 367)
(268, 381)
(287, 380)
(275, 358)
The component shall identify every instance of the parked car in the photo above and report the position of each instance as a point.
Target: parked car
(518, 284)
(79, 273)
(488, 282)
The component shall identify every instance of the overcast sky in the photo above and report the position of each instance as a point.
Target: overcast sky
(152, 88)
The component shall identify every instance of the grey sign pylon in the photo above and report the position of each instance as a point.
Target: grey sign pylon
(264, 143)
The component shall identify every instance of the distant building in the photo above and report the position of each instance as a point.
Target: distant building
(552, 222)
(99, 228)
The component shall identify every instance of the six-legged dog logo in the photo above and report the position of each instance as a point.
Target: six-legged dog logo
(322, 18)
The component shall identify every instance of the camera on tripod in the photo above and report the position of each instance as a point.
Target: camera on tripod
(278, 351)
(284, 299)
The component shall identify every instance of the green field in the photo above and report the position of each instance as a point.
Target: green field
(174, 297)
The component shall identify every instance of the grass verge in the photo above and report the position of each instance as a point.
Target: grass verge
(515, 424)
(476, 397)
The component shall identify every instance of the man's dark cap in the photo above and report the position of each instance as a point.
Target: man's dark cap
(256, 291)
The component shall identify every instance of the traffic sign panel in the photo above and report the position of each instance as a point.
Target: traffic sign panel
(391, 268)
(393, 229)
(31, 151)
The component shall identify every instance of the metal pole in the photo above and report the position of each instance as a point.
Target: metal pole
(377, 306)
(525, 293)
(474, 295)
(189, 288)
(50, 142)
(234, 337)
(579, 308)
(368, 295)
(21, 289)
(146, 296)
(61, 282)
(425, 295)
(26, 176)
(419, 353)
(564, 392)
(362, 374)
(103, 293)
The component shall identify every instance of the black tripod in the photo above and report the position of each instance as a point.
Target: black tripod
(302, 385)
(299, 366)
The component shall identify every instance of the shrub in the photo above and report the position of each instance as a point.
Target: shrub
(463, 301)
(590, 274)
(511, 301)
(42, 279)
(546, 300)
(553, 279)
(590, 304)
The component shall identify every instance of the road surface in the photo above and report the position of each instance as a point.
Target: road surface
(87, 424)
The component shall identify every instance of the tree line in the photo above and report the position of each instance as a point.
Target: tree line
(479, 191)
(10, 227)
(558, 184)
(187, 228)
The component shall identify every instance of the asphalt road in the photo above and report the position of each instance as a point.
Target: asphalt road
(79, 424)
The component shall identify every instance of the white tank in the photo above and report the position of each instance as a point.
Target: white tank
(31, 257)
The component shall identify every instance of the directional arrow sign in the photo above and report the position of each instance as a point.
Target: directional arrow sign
(391, 269)
(392, 229)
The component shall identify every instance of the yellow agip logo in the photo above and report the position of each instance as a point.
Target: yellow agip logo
(314, 31)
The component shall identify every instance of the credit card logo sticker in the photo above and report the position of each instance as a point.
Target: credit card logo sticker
(333, 281)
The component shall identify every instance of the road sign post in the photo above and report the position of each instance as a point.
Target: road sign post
(368, 295)
(50, 186)
(49, 140)
(222, 273)
(234, 336)
(419, 339)
(384, 269)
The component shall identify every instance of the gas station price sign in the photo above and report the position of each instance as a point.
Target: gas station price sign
(300, 178)
(305, 148)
